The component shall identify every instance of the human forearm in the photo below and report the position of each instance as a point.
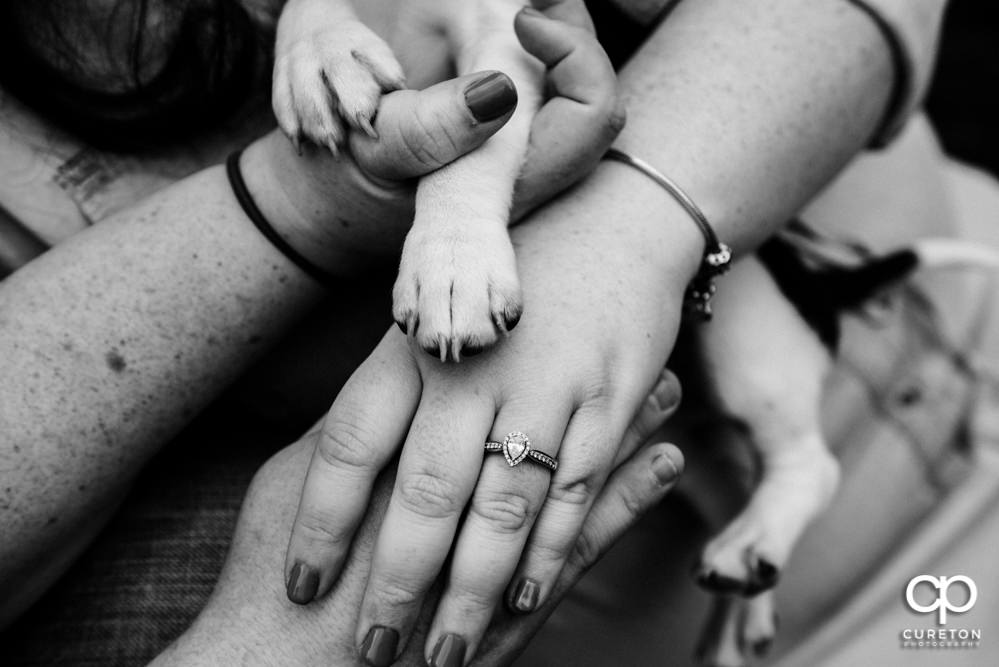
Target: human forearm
(753, 107)
(112, 342)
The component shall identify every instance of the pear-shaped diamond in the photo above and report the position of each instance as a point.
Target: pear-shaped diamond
(515, 447)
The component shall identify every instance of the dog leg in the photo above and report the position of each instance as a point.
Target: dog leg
(767, 368)
(736, 628)
(329, 68)
(457, 288)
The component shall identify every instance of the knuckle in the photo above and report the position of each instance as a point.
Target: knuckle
(508, 512)
(432, 144)
(551, 551)
(472, 601)
(577, 492)
(585, 551)
(431, 494)
(345, 444)
(317, 527)
(633, 503)
(396, 592)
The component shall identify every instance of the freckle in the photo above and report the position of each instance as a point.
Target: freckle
(67, 346)
(343, 222)
(115, 361)
(82, 487)
(51, 521)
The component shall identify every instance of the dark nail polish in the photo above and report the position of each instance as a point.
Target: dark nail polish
(303, 582)
(471, 350)
(449, 652)
(511, 321)
(665, 470)
(491, 97)
(378, 649)
(525, 597)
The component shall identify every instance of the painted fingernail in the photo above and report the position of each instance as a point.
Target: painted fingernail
(378, 649)
(490, 97)
(449, 652)
(665, 469)
(303, 582)
(525, 596)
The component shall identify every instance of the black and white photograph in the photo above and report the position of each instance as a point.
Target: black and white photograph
(542, 333)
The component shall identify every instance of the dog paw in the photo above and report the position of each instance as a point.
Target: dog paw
(457, 290)
(328, 74)
(737, 630)
(748, 555)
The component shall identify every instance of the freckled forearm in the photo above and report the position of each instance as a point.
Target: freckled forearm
(112, 342)
(753, 106)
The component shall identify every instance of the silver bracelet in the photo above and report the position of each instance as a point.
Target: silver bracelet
(717, 255)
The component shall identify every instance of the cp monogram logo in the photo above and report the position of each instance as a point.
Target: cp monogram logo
(942, 604)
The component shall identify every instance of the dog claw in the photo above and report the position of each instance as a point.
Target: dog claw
(365, 124)
(762, 577)
(714, 582)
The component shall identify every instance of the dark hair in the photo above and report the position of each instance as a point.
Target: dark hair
(210, 56)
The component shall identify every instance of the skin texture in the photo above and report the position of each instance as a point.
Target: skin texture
(93, 390)
(752, 142)
(738, 137)
(249, 620)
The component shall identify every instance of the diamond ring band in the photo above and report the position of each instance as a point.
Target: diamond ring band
(516, 448)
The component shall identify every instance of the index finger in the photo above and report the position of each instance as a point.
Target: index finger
(359, 435)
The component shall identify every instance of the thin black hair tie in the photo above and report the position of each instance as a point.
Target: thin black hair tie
(249, 207)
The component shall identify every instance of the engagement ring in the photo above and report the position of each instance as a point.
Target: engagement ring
(516, 447)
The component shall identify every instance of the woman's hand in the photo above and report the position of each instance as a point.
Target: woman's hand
(343, 212)
(602, 306)
(279, 632)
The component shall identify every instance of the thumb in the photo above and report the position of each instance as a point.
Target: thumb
(420, 131)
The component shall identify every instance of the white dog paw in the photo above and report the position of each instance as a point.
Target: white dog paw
(457, 291)
(325, 74)
(748, 555)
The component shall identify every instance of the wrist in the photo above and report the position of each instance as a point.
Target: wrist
(286, 197)
(655, 221)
